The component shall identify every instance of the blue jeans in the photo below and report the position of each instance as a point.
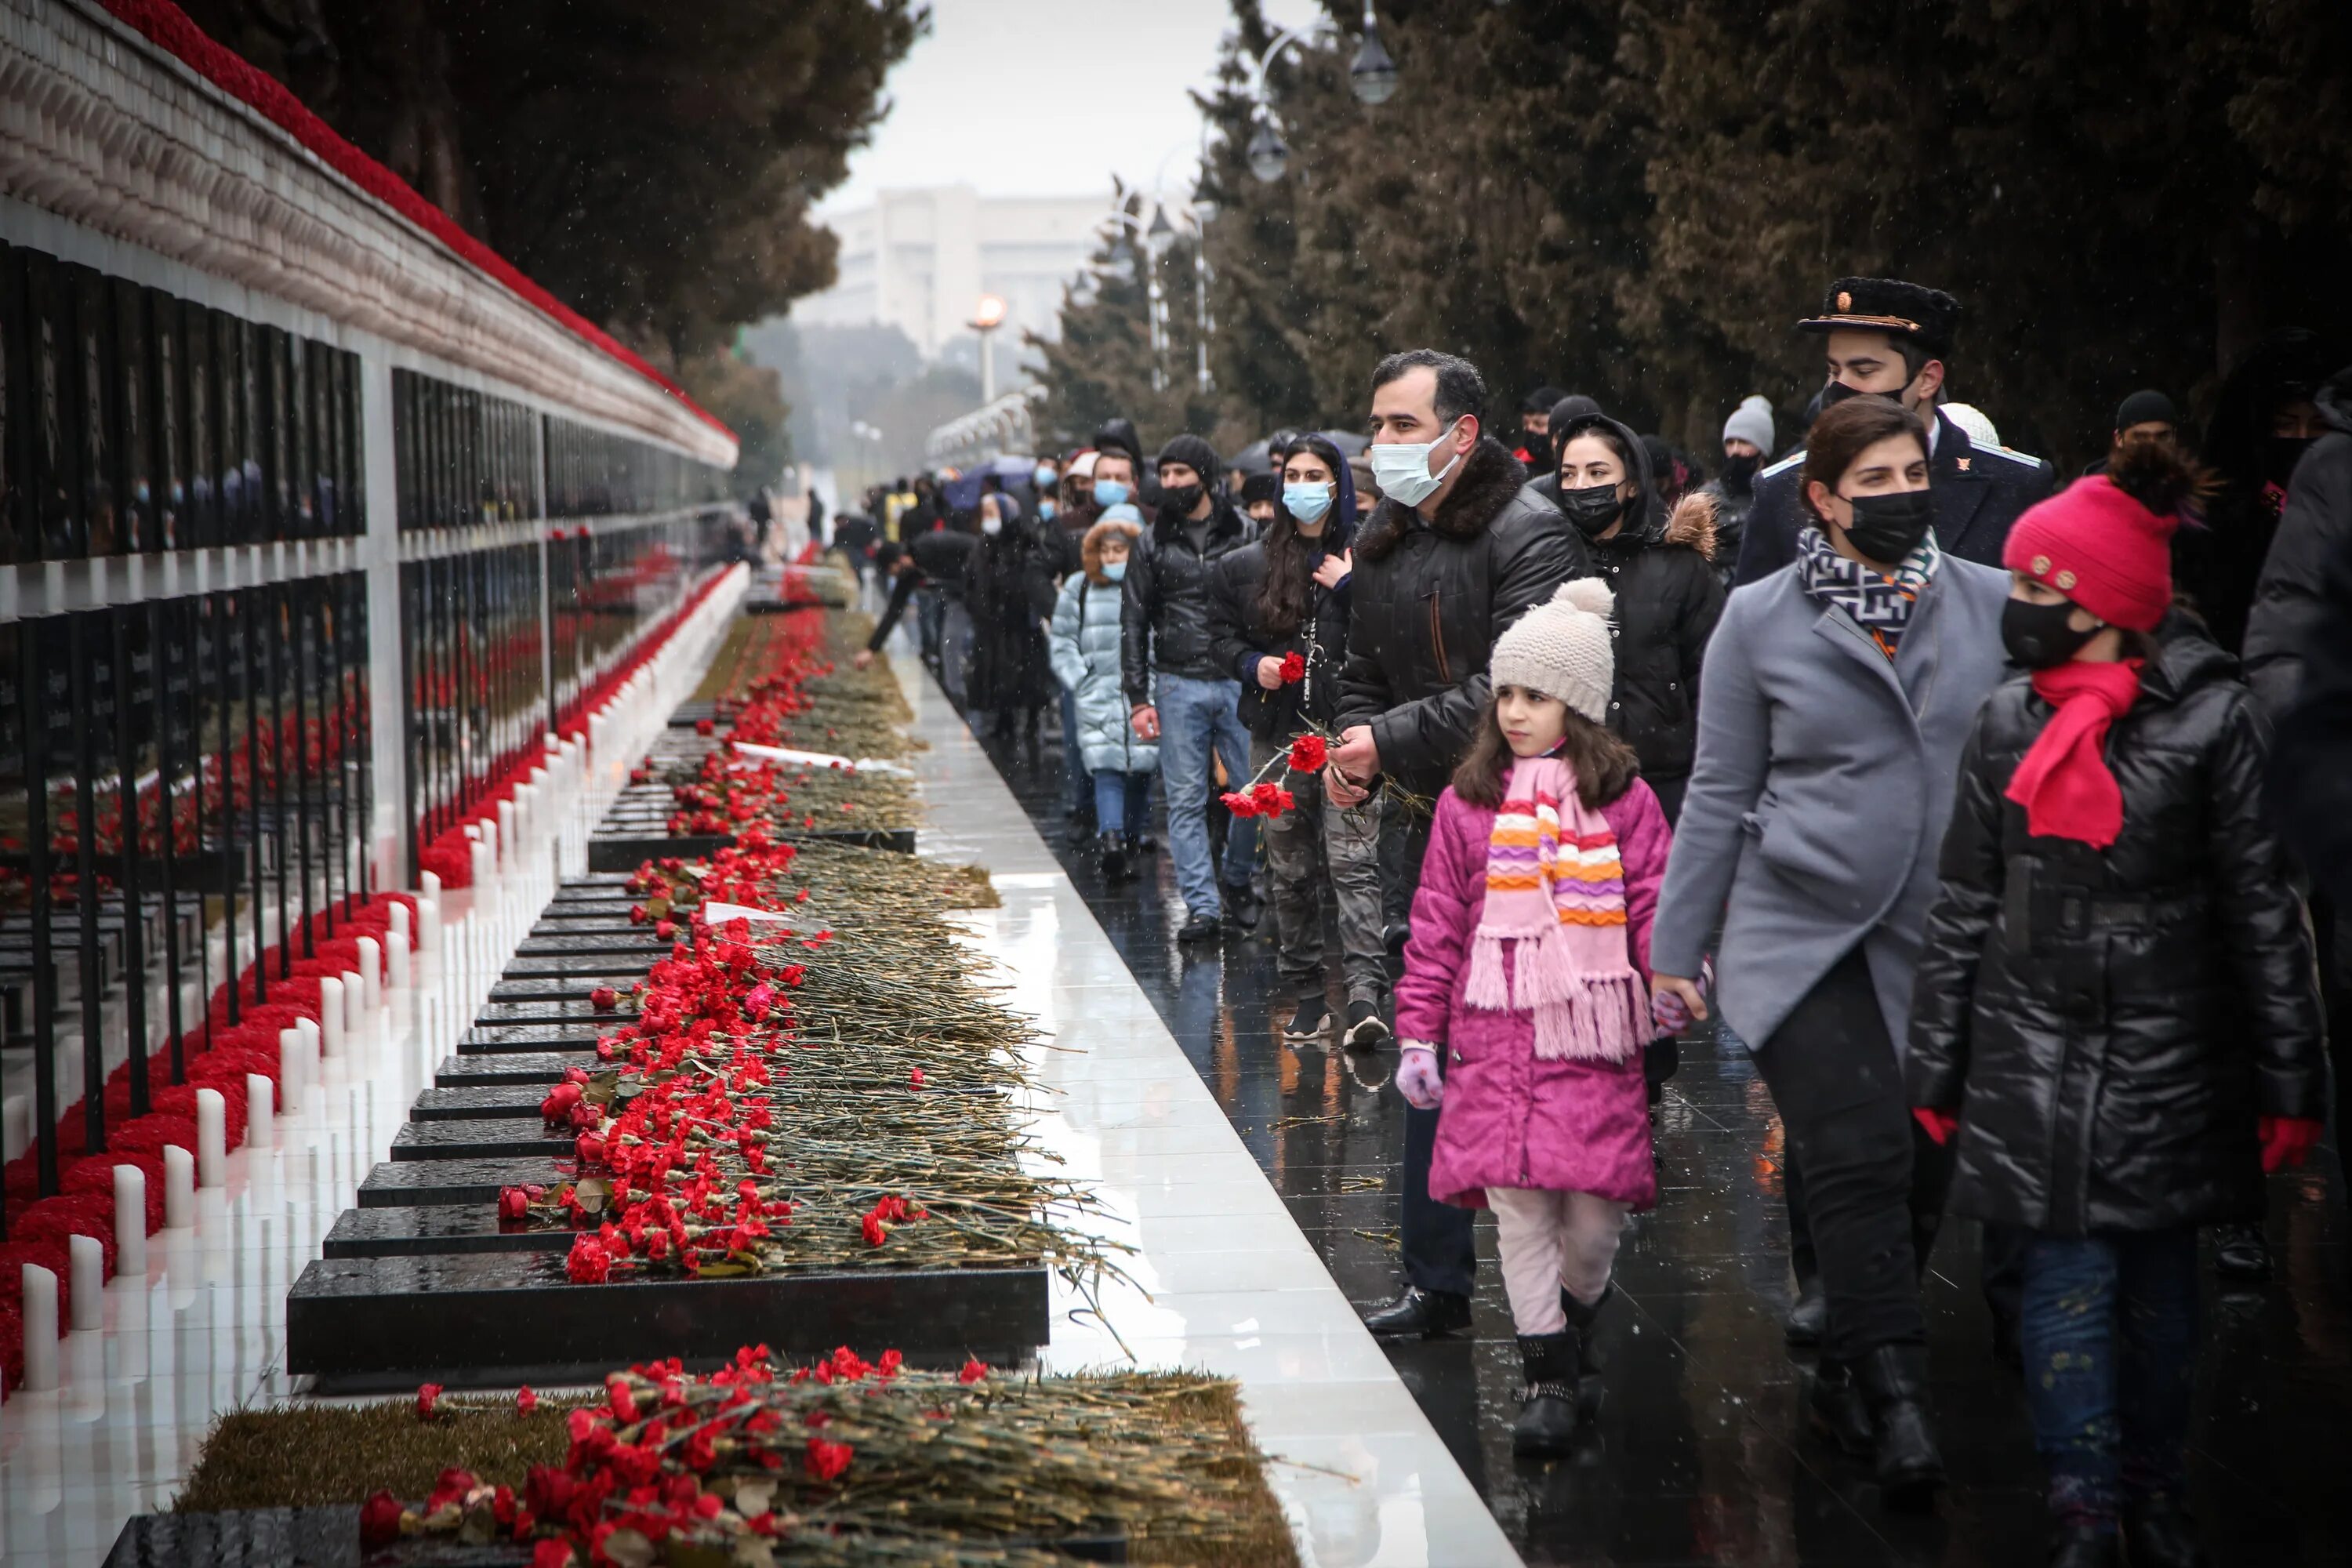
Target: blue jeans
(1122, 802)
(2109, 1328)
(1077, 790)
(1194, 717)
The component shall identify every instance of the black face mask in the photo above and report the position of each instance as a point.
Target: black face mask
(1179, 500)
(1592, 509)
(1889, 527)
(2038, 635)
(1837, 391)
(1739, 472)
(2280, 455)
(1535, 442)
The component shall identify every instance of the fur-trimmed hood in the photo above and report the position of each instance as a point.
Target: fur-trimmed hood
(1490, 478)
(1090, 549)
(1692, 524)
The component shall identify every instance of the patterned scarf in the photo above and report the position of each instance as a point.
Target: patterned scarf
(1878, 605)
(1555, 886)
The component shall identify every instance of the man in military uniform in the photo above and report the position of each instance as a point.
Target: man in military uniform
(1886, 338)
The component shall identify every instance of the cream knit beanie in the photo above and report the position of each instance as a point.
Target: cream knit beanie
(1561, 648)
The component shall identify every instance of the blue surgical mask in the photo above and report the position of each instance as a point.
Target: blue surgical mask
(1401, 468)
(1042, 478)
(1046, 510)
(1115, 570)
(1307, 503)
(1110, 492)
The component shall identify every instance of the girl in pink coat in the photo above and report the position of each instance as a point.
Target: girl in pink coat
(1528, 972)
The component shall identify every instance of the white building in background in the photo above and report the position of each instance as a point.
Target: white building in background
(920, 259)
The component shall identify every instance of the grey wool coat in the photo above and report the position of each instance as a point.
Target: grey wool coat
(1821, 791)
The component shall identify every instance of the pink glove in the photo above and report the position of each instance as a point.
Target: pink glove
(2286, 1140)
(1667, 1011)
(1416, 1076)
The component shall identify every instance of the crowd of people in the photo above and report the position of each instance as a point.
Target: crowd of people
(1945, 789)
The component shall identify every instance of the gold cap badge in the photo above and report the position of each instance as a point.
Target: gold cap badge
(1845, 300)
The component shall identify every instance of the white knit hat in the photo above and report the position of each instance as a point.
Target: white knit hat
(1561, 648)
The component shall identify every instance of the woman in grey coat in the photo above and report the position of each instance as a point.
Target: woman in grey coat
(1085, 648)
(1834, 701)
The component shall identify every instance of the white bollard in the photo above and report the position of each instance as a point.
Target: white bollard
(398, 974)
(179, 1188)
(396, 922)
(260, 1110)
(486, 867)
(16, 1126)
(428, 922)
(40, 1312)
(331, 1017)
(88, 1255)
(354, 1006)
(212, 1138)
(370, 973)
(505, 838)
(130, 1223)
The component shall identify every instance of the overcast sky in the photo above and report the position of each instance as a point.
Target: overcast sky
(1049, 97)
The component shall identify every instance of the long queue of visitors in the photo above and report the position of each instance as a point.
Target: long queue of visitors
(2001, 820)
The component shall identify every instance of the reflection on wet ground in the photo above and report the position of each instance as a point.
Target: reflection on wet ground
(1701, 1454)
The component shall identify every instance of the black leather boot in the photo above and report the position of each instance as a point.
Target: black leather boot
(1893, 1380)
(1835, 1405)
(1418, 1314)
(2161, 1534)
(2241, 1254)
(1547, 1405)
(2081, 1546)
(1581, 1318)
(1112, 848)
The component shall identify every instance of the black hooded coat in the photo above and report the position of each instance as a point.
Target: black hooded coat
(1661, 567)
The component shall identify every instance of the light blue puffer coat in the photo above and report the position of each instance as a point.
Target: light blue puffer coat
(1084, 645)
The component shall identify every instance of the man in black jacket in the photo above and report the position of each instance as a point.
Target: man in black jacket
(1459, 550)
(1886, 338)
(1180, 695)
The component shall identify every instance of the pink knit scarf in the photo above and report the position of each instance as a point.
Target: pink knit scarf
(1555, 887)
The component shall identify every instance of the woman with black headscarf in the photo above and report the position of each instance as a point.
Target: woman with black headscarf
(1009, 673)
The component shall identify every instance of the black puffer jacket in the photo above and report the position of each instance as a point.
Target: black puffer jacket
(1668, 600)
(1164, 612)
(2110, 1024)
(1242, 636)
(1429, 598)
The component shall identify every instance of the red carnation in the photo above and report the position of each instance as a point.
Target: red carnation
(380, 1520)
(1271, 799)
(428, 1394)
(603, 998)
(589, 1263)
(1294, 668)
(1308, 754)
(915, 1078)
(825, 1460)
(1238, 804)
(513, 1203)
(974, 1369)
(525, 1400)
(875, 1234)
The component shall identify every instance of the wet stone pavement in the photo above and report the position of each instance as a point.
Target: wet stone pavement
(1701, 1454)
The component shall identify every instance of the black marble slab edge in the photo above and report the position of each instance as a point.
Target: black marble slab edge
(397, 1316)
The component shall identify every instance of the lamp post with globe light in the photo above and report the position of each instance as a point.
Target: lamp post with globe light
(986, 317)
(1372, 76)
(1158, 235)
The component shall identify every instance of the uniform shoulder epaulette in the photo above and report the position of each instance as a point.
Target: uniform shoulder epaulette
(1794, 459)
(2024, 460)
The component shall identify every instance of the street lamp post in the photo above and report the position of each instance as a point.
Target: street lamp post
(1158, 236)
(986, 320)
(1372, 76)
